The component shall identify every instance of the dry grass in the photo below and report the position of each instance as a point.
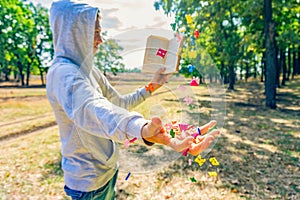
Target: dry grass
(258, 150)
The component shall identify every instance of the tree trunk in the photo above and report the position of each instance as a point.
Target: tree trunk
(270, 89)
(263, 67)
(231, 77)
(224, 73)
(6, 74)
(298, 61)
(28, 74)
(247, 72)
(241, 70)
(283, 67)
(294, 63)
(255, 69)
(277, 64)
(42, 75)
(20, 67)
(289, 65)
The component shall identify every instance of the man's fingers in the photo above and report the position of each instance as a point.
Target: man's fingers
(161, 70)
(214, 133)
(195, 149)
(180, 145)
(203, 143)
(204, 129)
(155, 125)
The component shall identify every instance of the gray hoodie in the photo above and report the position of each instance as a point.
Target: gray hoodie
(92, 116)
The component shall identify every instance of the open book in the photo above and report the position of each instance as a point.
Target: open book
(162, 52)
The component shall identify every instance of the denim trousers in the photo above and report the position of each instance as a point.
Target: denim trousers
(107, 192)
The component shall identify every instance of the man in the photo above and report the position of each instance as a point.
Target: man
(92, 116)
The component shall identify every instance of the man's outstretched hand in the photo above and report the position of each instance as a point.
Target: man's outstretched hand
(155, 132)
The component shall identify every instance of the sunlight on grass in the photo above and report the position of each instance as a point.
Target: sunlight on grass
(31, 166)
(258, 150)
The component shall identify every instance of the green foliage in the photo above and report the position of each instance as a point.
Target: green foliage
(108, 58)
(232, 32)
(25, 36)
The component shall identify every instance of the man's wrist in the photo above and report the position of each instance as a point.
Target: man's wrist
(147, 142)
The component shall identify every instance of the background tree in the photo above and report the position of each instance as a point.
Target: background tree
(270, 86)
(44, 51)
(107, 57)
(25, 36)
(234, 34)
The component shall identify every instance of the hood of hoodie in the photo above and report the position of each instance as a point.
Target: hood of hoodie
(73, 23)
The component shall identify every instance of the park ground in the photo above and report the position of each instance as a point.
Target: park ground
(258, 150)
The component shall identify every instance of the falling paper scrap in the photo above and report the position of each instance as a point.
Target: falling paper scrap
(173, 25)
(127, 176)
(188, 19)
(193, 179)
(172, 133)
(161, 52)
(192, 54)
(181, 87)
(200, 160)
(214, 161)
(126, 143)
(196, 33)
(212, 174)
(188, 100)
(132, 140)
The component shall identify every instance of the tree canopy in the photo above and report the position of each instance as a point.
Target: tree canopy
(234, 35)
(25, 39)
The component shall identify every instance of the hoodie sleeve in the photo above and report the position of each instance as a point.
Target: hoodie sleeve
(125, 101)
(90, 111)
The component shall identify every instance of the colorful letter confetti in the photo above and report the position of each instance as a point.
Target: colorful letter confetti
(190, 162)
(183, 127)
(132, 140)
(200, 160)
(192, 41)
(188, 100)
(172, 133)
(196, 33)
(173, 25)
(127, 176)
(199, 131)
(185, 152)
(193, 179)
(161, 52)
(194, 82)
(126, 143)
(212, 174)
(214, 161)
(188, 19)
(179, 38)
(181, 87)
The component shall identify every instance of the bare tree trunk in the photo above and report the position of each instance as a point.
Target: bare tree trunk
(263, 67)
(289, 65)
(20, 67)
(277, 64)
(27, 74)
(283, 67)
(231, 77)
(270, 89)
(294, 62)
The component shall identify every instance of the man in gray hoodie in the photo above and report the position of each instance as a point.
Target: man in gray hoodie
(92, 116)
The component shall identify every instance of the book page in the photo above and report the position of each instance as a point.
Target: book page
(155, 53)
(174, 51)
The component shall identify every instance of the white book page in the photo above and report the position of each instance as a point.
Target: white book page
(173, 53)
(154, 43)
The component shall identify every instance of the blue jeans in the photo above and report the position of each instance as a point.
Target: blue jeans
(107, 192)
